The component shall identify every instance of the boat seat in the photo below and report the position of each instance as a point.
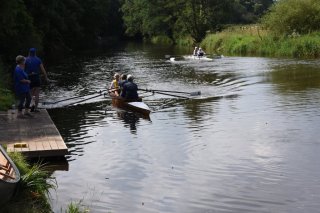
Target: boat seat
(4, 174)
(5, 167)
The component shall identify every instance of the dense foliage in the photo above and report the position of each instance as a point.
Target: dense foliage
(58, 25)
(175, 18)
(292, 17)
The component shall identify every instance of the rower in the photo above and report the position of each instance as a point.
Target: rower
(130, 89)
(114, 86)
(121, 83)
(195, 51)
(201, 52)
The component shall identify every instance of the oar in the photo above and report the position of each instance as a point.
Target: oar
(75, 97)
(83, 100)
(177, 96)
(168, 91)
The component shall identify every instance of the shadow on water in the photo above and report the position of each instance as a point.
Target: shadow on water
(80, 119)
(130, 119)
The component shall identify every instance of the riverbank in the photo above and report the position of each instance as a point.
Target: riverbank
(253, 40)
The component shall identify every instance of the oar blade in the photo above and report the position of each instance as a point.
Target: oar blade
(195, 93)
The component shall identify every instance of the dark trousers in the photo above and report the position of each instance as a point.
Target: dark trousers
(24, 98)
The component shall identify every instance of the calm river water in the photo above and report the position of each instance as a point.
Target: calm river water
(249, 143)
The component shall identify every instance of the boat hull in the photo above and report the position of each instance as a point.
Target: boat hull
(135, 106)
(9, 177)
(202, 58)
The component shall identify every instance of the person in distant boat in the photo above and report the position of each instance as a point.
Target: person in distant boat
(114, 86)
(195, 51)
(22, 87)
(201, 52)
(121, 83)
(33, 68)
(130, 89)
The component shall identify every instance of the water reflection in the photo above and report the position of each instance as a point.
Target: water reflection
(293, 78)
(248, 144)
(131, 119)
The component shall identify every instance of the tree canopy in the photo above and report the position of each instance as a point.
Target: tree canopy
(293, 16)
(62, 25)
(175, 18)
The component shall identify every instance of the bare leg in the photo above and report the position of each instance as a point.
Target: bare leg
(35, 95)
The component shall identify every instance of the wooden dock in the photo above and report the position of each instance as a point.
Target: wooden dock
(34, 137)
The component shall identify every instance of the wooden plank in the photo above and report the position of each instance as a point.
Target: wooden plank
(32, 146)
(40, 134)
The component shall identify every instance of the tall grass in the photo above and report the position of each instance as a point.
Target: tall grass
(33, 190)
(77, 208)
(256, 41)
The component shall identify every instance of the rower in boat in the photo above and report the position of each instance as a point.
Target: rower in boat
(129, 98)
(195, 51)
(130, 89)
(200, 53)
(114, 86)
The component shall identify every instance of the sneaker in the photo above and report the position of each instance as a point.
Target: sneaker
(32, 108)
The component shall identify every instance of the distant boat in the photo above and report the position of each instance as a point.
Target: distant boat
(9, 177)
(132, 105)
(204, 58)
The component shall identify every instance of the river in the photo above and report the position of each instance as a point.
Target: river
(249, 143)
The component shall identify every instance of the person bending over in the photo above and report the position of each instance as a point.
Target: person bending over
(34, 66)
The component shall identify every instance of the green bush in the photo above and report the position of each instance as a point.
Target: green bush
(161, 40)
(234, 43)
(293, 17)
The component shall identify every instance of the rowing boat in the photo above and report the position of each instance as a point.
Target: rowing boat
(192, 57)
(9, 177)
(132, 105)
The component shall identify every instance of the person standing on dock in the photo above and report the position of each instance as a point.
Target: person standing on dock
(22, 87)
(34, 66)
(130, 89)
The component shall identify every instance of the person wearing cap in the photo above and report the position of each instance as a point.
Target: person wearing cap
(34, 66)
(201, 52)
(130, 89)
(195, 51)
(22, 87)
(114, 86)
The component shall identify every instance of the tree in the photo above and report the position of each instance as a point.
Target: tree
(293, 16)
(17, 32)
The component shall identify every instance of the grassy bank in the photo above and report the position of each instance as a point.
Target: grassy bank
(6, 96)
(254, 41)
(33, 190)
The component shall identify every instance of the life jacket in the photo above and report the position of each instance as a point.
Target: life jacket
(115, 84)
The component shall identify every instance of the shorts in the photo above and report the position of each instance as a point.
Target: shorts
(35, 81)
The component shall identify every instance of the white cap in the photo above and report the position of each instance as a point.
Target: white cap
(130, 77)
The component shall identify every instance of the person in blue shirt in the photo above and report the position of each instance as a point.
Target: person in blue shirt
(121, 83)
(34, 66)
(22, 87)
(130, 89)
